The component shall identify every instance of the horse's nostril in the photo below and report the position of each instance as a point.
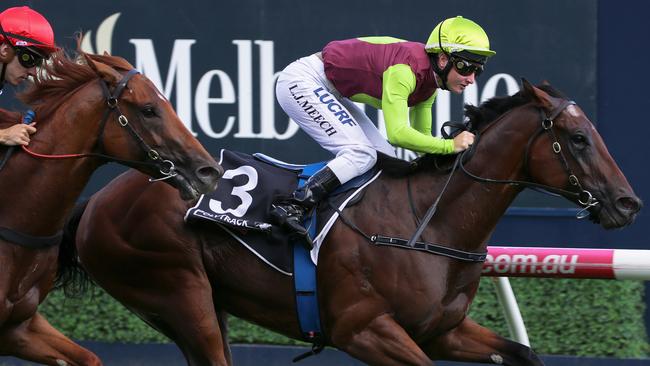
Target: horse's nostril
(209, 173)
(631, 204)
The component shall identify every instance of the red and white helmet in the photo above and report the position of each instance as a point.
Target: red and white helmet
(25, 27)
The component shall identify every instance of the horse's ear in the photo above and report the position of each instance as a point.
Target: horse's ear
(104, 71)
(537, 95)
(526, 86)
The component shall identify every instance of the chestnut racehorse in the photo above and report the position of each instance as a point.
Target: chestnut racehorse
(382, 305)
(89, 111)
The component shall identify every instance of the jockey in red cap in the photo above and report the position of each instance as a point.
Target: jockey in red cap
(26, 39)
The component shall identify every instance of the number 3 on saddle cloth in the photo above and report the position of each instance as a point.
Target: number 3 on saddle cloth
(242, 202)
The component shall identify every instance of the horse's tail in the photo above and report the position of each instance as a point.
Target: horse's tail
(70, 275)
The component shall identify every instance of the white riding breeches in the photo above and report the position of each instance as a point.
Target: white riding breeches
(334, 121)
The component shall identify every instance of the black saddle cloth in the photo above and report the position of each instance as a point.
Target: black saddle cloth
(242, 201)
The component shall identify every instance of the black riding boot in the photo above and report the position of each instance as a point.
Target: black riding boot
(290, 214)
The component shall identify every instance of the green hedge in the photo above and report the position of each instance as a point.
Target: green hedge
(563, 317)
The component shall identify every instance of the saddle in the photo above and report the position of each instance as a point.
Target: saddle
(242, 202)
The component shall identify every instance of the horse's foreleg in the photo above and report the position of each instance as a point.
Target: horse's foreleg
(382, 342)
(194, 327)
(222, 316)
(182, 309)
(471, 342)
(36, 340)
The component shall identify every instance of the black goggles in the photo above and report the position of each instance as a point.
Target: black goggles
(28, 58)
(466, 68)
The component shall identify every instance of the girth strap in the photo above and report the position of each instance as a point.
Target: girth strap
(306, 287)
(436, 249)
(29, 241)
(460, 255)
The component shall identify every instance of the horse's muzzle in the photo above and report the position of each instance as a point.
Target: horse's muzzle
(632, 205)
(208, 176)
(202, 180)
(619, 213)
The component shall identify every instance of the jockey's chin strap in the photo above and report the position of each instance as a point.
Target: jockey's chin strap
(166, 168)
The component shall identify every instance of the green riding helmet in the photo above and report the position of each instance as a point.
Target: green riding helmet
(460, 36)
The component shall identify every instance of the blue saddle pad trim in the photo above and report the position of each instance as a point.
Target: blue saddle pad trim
(308, 170)
(304, 274)
(304, 270)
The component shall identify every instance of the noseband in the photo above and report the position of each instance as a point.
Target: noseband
(166, 167)
(581, 195)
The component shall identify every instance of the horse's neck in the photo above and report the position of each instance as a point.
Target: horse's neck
(469, 210)
(37, 193)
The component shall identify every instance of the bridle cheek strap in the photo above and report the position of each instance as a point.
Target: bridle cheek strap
(166, 168)
(582, 196)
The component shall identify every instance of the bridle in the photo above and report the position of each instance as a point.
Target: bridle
(579, 194)
(166, 167)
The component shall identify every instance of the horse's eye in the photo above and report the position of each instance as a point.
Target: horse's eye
(148, 111)
(579, 140)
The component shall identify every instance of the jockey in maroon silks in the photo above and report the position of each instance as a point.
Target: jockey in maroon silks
(400, 77)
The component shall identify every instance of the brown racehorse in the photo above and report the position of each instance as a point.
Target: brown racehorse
(382, 305)
(90, 111)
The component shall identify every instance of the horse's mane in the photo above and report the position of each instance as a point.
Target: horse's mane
(61, 76)
(477, 119)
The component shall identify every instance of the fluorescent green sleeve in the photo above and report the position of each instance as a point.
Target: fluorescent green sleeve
(398, 84)
(420, 116)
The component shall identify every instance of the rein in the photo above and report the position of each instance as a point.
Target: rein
(165, 167)
(412, 243)
(584, 197)
(432, 210)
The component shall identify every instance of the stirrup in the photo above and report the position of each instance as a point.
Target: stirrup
(302, 235)
(281, 213)
(289, 217)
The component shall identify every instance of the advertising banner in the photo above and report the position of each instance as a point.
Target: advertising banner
(217, 61)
